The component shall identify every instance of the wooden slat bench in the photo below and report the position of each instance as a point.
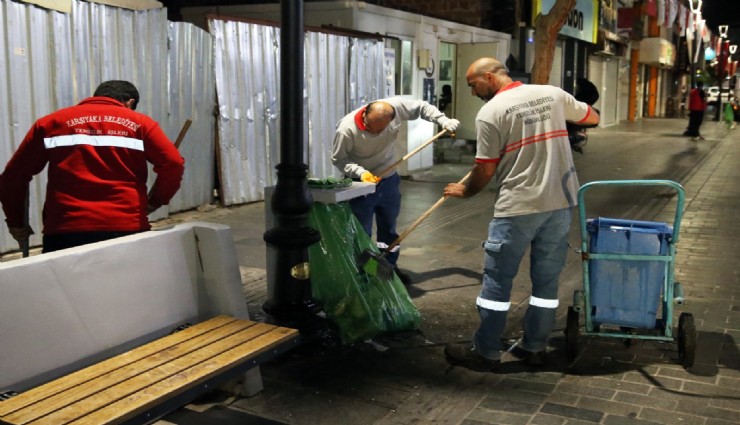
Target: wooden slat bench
(143, 384)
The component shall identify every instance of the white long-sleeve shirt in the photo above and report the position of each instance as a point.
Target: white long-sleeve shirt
(355, 150)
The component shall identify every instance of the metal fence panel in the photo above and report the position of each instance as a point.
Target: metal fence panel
(366, 74)
(29, 96)
(247, 80)
(326, 66)
(246, 61)
(57, 59)
(192, 92)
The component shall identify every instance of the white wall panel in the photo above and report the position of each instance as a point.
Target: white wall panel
(596, 76)
(610, 94)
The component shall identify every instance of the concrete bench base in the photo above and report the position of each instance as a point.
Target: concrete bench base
(66, 310)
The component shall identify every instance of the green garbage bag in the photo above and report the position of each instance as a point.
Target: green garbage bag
(362, 306)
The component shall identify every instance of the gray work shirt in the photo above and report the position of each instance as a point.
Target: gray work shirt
(355, 151)
(522, 129)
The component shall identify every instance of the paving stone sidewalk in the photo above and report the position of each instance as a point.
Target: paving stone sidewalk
(644, 383)
(404, 379)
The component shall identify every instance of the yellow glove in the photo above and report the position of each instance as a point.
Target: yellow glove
(369, 177)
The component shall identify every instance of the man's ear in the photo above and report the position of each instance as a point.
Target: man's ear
(490, 77)
(130, 103)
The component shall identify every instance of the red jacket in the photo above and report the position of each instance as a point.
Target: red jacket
(97, 152)
(697, 100)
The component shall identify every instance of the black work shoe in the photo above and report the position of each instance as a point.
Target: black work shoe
(405, 279)
(530, 358)
(465, 355)
(536, 359)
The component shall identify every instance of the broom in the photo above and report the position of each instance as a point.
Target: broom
(178, 142)
(26, 242)
(412, 153)
(375, 263)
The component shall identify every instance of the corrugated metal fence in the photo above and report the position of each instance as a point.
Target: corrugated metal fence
(341, 73)
(49, 60)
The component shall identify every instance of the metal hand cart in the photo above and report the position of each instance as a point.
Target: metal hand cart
(627, 273)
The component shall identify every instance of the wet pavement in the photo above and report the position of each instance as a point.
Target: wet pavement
(404, 379)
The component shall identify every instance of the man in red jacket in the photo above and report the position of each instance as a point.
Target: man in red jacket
(697, 106)
(97, 152)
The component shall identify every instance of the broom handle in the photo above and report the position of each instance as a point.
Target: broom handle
(184, 130)
(178, 141)
(26, 242)
(412, 153)
(411, 228)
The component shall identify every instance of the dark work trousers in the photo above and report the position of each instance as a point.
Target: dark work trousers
(695, 120)
(68, 240)
(384, 204)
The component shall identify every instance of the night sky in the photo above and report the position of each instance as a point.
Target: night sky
(723, 12)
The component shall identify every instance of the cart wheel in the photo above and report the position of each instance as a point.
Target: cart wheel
(571, 335)
(686, 339)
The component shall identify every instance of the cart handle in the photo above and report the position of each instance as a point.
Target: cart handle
(677, 187)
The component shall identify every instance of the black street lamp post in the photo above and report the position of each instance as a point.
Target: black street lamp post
(291, 303)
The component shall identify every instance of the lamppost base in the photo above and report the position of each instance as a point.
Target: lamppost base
(317, 332)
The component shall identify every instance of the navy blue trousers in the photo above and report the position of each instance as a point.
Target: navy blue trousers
(384, 205)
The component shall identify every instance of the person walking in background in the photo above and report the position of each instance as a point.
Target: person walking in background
(697, 106)
(445, 99)
(522, 144)
(364, 145)
(729, 112)
(97, 153)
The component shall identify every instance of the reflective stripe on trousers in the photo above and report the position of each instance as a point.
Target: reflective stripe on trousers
(546, 234)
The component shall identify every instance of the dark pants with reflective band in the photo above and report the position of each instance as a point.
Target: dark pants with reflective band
(546, 234)
(68, 240)
(384, 205)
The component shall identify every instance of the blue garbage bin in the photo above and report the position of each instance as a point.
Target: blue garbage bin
(627, 292)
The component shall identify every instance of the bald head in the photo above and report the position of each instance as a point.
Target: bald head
(377, 116)
(483, 65)
(486, 76)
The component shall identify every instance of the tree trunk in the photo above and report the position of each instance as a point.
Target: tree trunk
(546, 28)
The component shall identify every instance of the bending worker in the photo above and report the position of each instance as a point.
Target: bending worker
(97, 152)
(522, 144)
(364, 145)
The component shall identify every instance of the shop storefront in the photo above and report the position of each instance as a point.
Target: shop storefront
(576, 38)
(659, 56)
